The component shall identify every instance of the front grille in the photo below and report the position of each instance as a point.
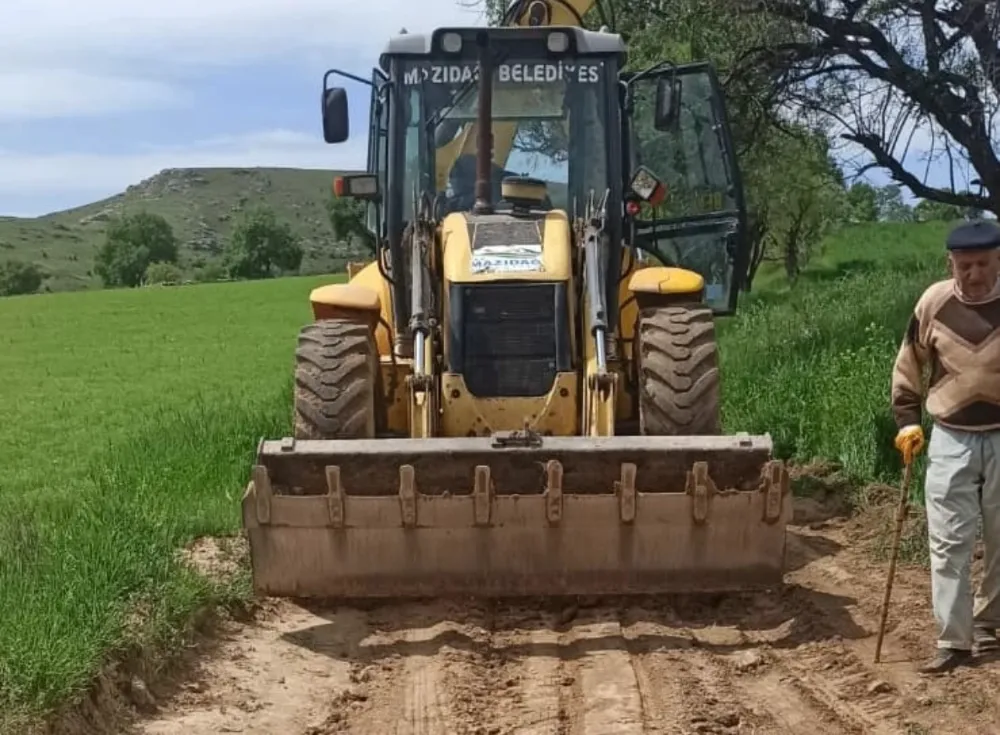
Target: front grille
(508, 339)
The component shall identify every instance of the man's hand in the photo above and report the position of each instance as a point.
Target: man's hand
(910, 441)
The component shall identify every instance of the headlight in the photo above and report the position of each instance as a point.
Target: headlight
(451, 42)
(558, 42)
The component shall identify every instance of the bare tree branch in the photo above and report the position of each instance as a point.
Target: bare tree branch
(901, 175)
(881, 69)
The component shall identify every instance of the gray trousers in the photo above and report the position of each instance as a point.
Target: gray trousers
(962, 486)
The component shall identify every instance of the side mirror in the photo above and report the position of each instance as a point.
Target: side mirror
(648, 187)
(336, 124)
(357, 186)
(668, 94)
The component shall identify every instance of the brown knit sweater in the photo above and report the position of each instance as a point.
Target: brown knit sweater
(958, 343)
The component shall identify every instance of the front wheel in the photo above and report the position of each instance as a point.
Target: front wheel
(678, 371)
(335, 381)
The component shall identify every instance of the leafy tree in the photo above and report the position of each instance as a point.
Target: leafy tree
(973, 212)
(862, 201)
(928, 211)
(877, 72)
(18, 278)
(797, 195)
(131, 244)
(347, 218)
(891, 207)
(260, 245)
(210, 272)
(158, 273)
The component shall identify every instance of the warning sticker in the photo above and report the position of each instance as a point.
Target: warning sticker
(508, 259)
(513, 73)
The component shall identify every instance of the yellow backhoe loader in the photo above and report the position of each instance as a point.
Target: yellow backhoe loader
(520, 394)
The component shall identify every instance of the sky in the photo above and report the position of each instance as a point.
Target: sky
(98, 95)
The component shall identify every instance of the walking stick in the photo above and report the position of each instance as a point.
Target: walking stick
(904, 497)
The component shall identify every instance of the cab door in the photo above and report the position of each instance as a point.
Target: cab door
(378, 150)
(701, 222)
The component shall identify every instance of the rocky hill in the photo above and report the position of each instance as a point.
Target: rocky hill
(201, 204)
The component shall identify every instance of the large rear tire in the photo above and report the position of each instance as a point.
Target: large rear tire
(678, 371)
(336, 367)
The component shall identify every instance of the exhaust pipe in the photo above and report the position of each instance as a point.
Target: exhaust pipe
(484, 139)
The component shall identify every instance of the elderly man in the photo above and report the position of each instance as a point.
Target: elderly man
(954, 335)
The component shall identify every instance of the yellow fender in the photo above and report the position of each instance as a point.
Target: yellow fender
(659, 279)
(340, 299)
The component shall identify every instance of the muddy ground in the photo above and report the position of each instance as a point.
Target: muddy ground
(792, 661)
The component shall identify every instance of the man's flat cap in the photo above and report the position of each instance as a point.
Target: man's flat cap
(977, 235)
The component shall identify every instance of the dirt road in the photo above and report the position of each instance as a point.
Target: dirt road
(789, 662)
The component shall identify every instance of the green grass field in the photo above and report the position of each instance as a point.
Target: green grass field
(812, 364)
(130, 420)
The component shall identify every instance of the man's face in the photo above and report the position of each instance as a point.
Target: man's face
(976, 271)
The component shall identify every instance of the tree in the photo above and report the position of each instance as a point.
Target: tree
(862, 202)
(17, 278)
(131, 244)
(159, 273)
(259, 245)
(877, 72)
(798, 196)
(891, 207)
(347, 218)
(973, 212)
(928, 211)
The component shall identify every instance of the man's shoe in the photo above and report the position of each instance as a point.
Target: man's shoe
(985, 639)
(946, 659)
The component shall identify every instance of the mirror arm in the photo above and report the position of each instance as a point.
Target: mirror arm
(638, 76)
(347, 75)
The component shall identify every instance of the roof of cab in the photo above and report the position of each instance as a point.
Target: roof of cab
(587, 42)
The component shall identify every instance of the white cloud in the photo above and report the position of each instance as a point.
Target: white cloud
(47, 93)
(220, 30)
(88, 177)
(65, 58)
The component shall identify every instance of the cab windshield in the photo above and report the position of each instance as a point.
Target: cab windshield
(545, 113)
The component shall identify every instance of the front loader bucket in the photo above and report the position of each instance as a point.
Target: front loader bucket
(573, 515)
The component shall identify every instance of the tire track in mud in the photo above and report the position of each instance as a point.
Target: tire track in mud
(515, 669)
(714, 673)
(682, 689)
(512, 669)
(423, 666)
(844, 597)
(608, 696)
(803, 646)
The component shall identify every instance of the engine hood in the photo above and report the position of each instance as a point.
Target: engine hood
(504, 246)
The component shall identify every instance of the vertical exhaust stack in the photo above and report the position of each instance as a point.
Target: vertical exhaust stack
(484, 140)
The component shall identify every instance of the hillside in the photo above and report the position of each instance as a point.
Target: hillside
(201, 204)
